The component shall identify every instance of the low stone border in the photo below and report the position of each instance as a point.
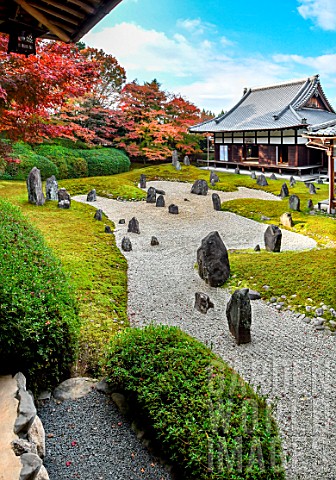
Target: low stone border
(30, 444)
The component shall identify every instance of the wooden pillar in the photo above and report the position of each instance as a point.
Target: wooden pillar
(331, 170)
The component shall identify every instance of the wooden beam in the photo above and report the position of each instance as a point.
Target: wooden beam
(84, 6)
(42, 19)
(55, 14)
(64, 8)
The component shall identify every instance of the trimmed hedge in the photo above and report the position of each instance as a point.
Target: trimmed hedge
(38, 315)
(207, 420)
(105, 161)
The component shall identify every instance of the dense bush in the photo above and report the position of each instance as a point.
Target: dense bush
(69, 162)
(105, 161)
(38, 317)
(209, 422)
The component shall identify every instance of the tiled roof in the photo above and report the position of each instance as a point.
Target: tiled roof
(328, 129)
(274, 107)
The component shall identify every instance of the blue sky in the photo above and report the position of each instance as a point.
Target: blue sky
(208, 51)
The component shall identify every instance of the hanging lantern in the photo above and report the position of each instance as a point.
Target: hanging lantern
(22, 41)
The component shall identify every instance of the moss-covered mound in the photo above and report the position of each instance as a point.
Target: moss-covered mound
(207, 420)
(38, 318)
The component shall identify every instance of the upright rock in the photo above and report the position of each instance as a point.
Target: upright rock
(294, 203)
(133, 226)
(320, 181)
(64, 199)
(202, 302)
(126, 244)
(261, 181)
(239, 316)
(99, 214)
(253, 176)
(292, 180)
(151, 195)
(142, 181)
(200, 187)
(51, 188)
(237, 171)
(312, 189)
(154, 241)
(310, 204)
(273, 177)
(173, 209)
(91, 196)
(174, 158)
(178, 165)
(213, 177)
(216, 201)
(160, 201)
(108, 229)
(286, 220)
(213, 260)
(284, 191)
(186, 161)
(34, 187)
(272, 238)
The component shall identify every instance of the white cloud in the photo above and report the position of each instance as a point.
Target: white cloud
(321, 12)
(205, 72)
(195, 25)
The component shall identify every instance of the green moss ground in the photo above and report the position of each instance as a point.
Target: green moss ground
(94, 264)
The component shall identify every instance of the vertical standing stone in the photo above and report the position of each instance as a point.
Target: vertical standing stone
(142, 181)
(91, 196)
(216, 201)
(239, 316)
(160, 201)
(312, 189)
(213, 260)
(284, 191)
(51, 188)
(186, 160)
(151, 195)
(213, 177)
(174, 158)
(34, 187)
(272, 237)
(294, 203)
(133, 226)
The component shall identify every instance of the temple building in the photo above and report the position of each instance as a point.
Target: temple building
(264, 129)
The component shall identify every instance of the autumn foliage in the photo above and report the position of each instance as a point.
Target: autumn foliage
(80, 92)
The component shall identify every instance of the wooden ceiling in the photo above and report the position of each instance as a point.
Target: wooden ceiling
(67, 20)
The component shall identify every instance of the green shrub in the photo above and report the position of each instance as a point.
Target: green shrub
(105, 161)
(38, 315)
(27, 159)
(201, 412)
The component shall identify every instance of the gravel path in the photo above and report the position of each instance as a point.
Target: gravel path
(291, 362)
(89, 439)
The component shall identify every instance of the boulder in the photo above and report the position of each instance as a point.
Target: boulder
(310, 204)
(173, 209)
(36, 435)
(273, 177)
(133, 226)
(34, 187)
(272, 237)
(91, 196)
(237, 171)
(202, 302)
(154, 241)
(213, 260)
(126, 244)
(51, 188)
(160, 201)
(74, 388)
(122, 221)
(142, 181)
(294, 203)
(213, 177)
(178, 165)
(212, 182)
(284, 191)
(186, 161)
(64, 199)
(292, 180)
(108, 229)
(312, 189)
(174, 158)
(99, 214)
(160, 192)
(151, 195)
(286, 220)
(261, 181)
(31, 464)
(253, 176)
(26, 412)
(200, 187)
(257, 248)
(216, 201)
(239, 316)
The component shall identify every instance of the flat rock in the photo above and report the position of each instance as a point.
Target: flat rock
(74, 388)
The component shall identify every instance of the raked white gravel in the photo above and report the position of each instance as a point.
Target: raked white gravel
(293, 364)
